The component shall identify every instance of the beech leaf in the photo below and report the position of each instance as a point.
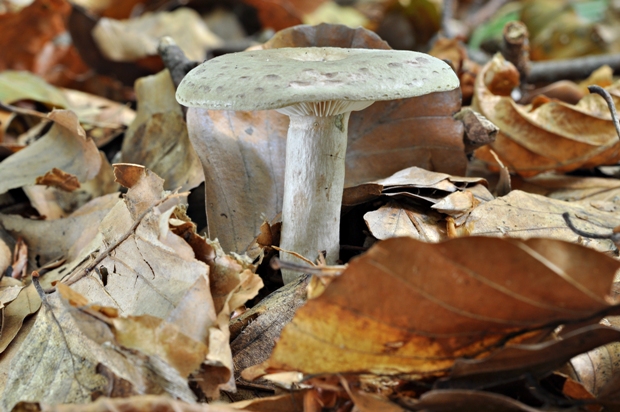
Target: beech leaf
(480, 292)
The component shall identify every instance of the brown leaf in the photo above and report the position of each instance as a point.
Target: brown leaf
(553, 136)
(243, 153)
(478, 290)
(448, 400)
(59, 179)
(280, 14)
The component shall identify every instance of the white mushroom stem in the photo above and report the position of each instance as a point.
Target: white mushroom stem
(313, 185)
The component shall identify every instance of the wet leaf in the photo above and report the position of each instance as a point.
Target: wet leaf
(498, 289)
(553, 136)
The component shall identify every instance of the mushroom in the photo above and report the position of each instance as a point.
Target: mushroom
(317, 88)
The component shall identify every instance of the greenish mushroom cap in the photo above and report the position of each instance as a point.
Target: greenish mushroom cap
(278, 78)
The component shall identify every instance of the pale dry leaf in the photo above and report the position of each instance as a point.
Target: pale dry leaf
(523, 215)
(158, 138)
(142, 403)
(396, 219)
(599, 367)
(54, 203)
(24, 85)
(64, 237)
(477, 296)
(25, 304)
(6, 257)
(64, 146)
(61, 362)
(130, 40)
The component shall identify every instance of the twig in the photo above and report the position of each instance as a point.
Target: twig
(276, 264)
(75, 277)
(610, 103)
(174, 59)
(583, 233)
(516, 47)
(578, 68)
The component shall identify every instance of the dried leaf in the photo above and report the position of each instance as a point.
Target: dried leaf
(525, 215)
(396, 219)
(479, 290)
(130, 40)
(25, 304)
(64, 237)
(65, 147)
(450, 399)
(59, 179)
(279, 14)
(553, 136)
(5, 256)
(158, 136)
(21, 85)
(61, 362)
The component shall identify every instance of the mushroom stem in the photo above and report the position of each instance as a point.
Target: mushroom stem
(313, 185)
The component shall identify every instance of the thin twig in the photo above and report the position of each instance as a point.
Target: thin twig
(276, 264)
(75, 277)
(610, 103)
(577, 68)
(583, 233)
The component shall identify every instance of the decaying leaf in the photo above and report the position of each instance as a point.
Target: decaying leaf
(243, 151)
(65, 147)
(552, 136)
(158, 139)
(130, 40)
(412, 307)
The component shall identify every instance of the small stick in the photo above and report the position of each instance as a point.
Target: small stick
(174, 59)
(516, 47)
(583, 233)
(578, 68)
(610, 103)
(75, 277)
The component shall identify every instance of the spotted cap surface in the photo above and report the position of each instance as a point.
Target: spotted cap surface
(278, 78)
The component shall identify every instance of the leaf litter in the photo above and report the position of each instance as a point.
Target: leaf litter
(150, 300)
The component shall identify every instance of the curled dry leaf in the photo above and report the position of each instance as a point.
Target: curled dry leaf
(59, 179)
(64, 146)
(412, 307)
(551, 136)
(158, 138)
(243, 153)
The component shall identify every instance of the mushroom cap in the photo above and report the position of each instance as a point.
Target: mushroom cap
(278, 78)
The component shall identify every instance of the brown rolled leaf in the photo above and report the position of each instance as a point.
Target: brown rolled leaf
(59, 179)
(552, 136)
(412, 307)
